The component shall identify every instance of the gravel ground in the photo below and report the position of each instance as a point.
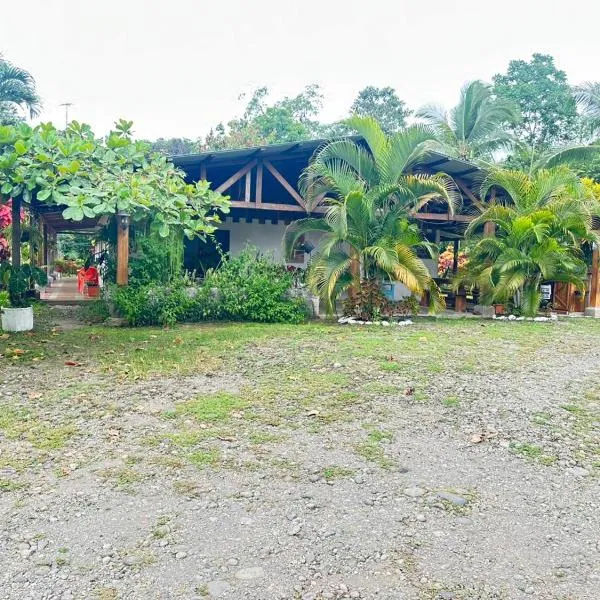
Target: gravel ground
(460, 484)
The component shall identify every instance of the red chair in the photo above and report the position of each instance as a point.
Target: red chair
(92, 281)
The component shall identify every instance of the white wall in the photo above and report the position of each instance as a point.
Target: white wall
(266, 236)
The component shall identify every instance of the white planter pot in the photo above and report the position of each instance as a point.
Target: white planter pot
(17, 319)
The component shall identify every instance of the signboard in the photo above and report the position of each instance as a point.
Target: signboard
(546, 290)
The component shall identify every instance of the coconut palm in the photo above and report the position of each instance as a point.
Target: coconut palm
(588, 98)
(380, 163)
(475, 127)
(17, 90)
(539, 231)
(363, 237)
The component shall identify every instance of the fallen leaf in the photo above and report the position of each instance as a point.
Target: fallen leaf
(476, 438)
(4, 336)
(72, 363)
(313, 413)
(17, 351)
(409, 391)
(35, 395)
(178, 341)
(226, 438)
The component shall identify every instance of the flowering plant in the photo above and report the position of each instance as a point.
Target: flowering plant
(446, 260)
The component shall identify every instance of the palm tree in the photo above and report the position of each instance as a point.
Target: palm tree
(381, 163)
(17, 90)
(371, 192)
(362, 237)
(587, 96)
(538, 236)
(475, 127)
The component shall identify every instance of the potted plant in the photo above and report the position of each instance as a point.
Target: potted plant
(19, 282)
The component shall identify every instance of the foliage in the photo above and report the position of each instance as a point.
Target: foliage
(383, 105)
(252, 287)
(73, 246)
(4, 299)
(155, 260)
(371, 194)
(476, 127)
(287, 120)
(538, 237)
(369, 303)
(96, 311)
(17, 90)
(18, 281)
(67, 266)
(544, 97)
(446, 260)
(249, 287)
(94, 177)
(151, 305)
(175, 146)
(587, 96)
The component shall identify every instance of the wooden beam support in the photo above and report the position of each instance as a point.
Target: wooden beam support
(122, 249)
(273, 206)
(259, 183)
(595, 280)
(284, 182)
(248, 183)
(16, 232)
(236, 177)
(442, 217)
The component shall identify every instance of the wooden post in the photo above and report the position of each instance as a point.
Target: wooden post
(593, 310)
(455, 258)
(122, 249)
(259, 183)
(16, 232)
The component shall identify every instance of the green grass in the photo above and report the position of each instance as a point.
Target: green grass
(532, 452)
(205, 458)
(213, 408)
(336, 472)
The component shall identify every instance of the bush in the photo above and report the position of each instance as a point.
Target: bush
(369, 303)
(252, 287)
(4, 299)
(151, 305)
(249, 287)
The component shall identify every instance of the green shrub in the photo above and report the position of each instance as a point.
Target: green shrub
(4, 300)
(249, 287)
(252, 287)
(151, 305)
(95, 311)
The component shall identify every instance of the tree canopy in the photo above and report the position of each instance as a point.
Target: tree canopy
(545, 99)
(383, 105)
(92, 177)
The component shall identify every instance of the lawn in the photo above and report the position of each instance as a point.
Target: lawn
(354, 451)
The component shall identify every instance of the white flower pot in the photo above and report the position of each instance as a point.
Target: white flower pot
(17, 319)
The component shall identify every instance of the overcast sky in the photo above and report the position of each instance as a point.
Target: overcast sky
(177, 67)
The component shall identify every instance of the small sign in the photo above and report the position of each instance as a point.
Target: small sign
(546, 290)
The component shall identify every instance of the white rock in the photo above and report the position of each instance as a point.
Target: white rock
(385, 323)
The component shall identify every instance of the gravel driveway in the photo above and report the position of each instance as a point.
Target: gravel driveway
(476, 480)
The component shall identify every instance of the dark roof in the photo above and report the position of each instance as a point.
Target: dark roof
(435, 161)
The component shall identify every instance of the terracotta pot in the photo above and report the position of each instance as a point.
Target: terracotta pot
(499, 309)
(93, 291)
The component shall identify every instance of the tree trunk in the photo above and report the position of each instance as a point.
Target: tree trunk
(16, 232)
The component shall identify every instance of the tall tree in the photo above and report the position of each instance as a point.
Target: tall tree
(288, 120)
(476, 126)
(174, 146)
(17, 91)
(383, 105)
(544, 97)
